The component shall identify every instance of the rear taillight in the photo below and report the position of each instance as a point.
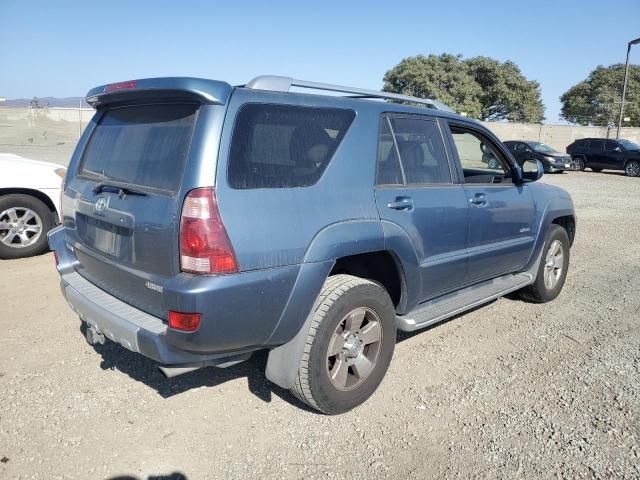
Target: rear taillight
(187, 322)
(62, 173)
(55, 257)
(204, 243)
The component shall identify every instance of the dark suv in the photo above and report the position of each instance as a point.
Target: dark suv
(203, 222)
(553, 161)
(601, 153)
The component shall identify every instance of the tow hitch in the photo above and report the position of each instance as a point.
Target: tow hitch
(93, 336)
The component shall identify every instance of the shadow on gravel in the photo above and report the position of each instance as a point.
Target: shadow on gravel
(171, 476)
(142, 369)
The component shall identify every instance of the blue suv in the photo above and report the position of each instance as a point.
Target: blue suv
(203, 222)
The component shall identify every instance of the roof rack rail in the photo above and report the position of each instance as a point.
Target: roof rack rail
(284, 84)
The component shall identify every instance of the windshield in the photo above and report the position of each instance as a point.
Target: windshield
(541, 147)
(628, 144)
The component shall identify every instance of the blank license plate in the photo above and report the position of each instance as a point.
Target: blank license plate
(107, 241)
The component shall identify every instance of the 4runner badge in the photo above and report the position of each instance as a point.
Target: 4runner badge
(153, 286)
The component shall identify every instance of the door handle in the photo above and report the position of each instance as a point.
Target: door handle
(401, 203)
(479, 200)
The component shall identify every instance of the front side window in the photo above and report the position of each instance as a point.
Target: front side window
(283, 146)
(481, 161)
(610, 146)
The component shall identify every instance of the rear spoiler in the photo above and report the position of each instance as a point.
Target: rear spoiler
(207, 91)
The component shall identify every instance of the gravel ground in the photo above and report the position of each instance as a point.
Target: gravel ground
(509, 390)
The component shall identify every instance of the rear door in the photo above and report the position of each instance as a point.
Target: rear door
(501, 213)
(416, 190)
(595, 154)
(124, 198)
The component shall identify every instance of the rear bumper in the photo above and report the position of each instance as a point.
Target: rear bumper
(134, 329)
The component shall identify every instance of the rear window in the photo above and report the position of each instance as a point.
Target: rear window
(144, 145)
(282, 146)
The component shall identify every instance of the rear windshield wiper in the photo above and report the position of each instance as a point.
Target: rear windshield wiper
(122, 188)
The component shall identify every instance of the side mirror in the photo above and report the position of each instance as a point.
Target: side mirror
(617, 149)
(532, 170)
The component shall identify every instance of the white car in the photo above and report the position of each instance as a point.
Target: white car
(29, 204)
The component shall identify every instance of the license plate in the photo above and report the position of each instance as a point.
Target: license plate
(566, 165)
(107, 241)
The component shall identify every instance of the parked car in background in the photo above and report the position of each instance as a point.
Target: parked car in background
(606, 154)
(29, 204)
(552, 160)
(203, 222)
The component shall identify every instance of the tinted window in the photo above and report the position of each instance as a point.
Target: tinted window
(279, 146)
(422, 153)
(596, 144)
(145, 145)
(609, 146)
(481, 160)
(518, 148)
(581, 143)
(388, 167)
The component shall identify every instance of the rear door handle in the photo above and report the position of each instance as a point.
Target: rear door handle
(401, 203)
(479, 200)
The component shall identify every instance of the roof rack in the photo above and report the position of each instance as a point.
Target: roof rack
(283, 84)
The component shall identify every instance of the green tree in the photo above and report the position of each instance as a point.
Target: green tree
(596, 100)
(480, 87)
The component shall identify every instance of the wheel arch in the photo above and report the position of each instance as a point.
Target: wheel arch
(43, 197)
(356, 247)
(568, 222)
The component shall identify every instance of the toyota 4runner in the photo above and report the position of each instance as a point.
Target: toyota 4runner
(202, 222)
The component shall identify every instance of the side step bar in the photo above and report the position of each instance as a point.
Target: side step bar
(451, 304)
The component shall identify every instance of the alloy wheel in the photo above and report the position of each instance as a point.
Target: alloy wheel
(20, 227)
(354, 348)
(554, 264)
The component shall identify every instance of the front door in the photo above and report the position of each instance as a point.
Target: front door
(501, 213)
(416, 191)
(613, 156)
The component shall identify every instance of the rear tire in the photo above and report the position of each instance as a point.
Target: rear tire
(349, 345)
(579, 163)
(632, 168)
(552, 271)
(24, 223)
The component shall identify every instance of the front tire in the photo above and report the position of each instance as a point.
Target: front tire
(349, 345)
(552, 271)
(24, 223)
(632, 168)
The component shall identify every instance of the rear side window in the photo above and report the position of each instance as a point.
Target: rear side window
(144, 145)
(283, 146)
(596, 144)
(423, 159)
(422, 153)
(581, 143)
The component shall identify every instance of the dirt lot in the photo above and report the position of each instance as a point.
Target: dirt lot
(510, 390)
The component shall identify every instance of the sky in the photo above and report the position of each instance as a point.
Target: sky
(64, 48)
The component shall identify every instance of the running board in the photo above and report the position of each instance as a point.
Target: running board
(451, 304)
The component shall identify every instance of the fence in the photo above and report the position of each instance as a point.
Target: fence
(50, 134)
